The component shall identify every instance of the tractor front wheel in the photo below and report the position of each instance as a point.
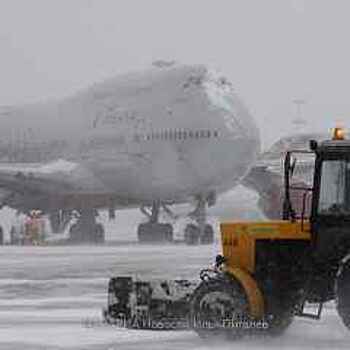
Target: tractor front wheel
(219, 309)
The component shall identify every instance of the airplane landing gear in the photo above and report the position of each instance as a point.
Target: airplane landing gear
(202, 233)
(153, 231)
(1, 236)
(199, 232)
(59, 220)
(86, 229)
(193, 235)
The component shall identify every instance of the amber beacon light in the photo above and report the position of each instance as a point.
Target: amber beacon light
(338, 134)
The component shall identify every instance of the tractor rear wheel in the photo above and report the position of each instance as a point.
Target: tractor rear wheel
(342, 289)
(279, 319)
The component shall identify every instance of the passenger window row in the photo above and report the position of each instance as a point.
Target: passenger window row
(170, 135)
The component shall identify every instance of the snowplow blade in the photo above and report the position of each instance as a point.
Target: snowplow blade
(158, 304)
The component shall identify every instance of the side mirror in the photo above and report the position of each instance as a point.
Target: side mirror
(292, 167)
(313, 145)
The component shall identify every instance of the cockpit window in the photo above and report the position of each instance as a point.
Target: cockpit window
(335, 187)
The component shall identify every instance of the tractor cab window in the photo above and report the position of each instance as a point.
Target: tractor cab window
(300, 182)
(334, 189)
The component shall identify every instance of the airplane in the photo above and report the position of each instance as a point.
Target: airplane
(170, 134)
(266, 177)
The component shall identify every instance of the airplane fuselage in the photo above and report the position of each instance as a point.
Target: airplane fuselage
(165, 134)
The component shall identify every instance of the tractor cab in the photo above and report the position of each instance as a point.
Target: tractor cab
(324, 201)
(330, 218)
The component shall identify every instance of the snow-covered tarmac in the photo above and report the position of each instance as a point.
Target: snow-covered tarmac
(51, 298)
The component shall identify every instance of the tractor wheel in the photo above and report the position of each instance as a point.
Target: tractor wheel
(279, 319)
(342, 290)
(219, 309)
(280, 309)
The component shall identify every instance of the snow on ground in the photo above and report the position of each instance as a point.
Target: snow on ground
(51, 298)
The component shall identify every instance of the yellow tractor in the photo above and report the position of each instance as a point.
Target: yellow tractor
(269, 270)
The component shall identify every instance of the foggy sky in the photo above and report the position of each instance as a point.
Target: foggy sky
(273, 51)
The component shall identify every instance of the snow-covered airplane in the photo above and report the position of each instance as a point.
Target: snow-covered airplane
(167, 135)
(267, 176)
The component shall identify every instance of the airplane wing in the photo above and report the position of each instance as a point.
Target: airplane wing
(29, 178)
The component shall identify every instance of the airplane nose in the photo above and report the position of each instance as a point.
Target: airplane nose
(236, 117)
(218, 90)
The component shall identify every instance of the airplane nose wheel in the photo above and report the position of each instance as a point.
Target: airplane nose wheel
(154, 231)
(208, 235)
(193, 234)
(201, 232)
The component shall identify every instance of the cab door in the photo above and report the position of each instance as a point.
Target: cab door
(330, 219)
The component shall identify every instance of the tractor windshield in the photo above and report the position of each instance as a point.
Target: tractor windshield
(335, 186)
